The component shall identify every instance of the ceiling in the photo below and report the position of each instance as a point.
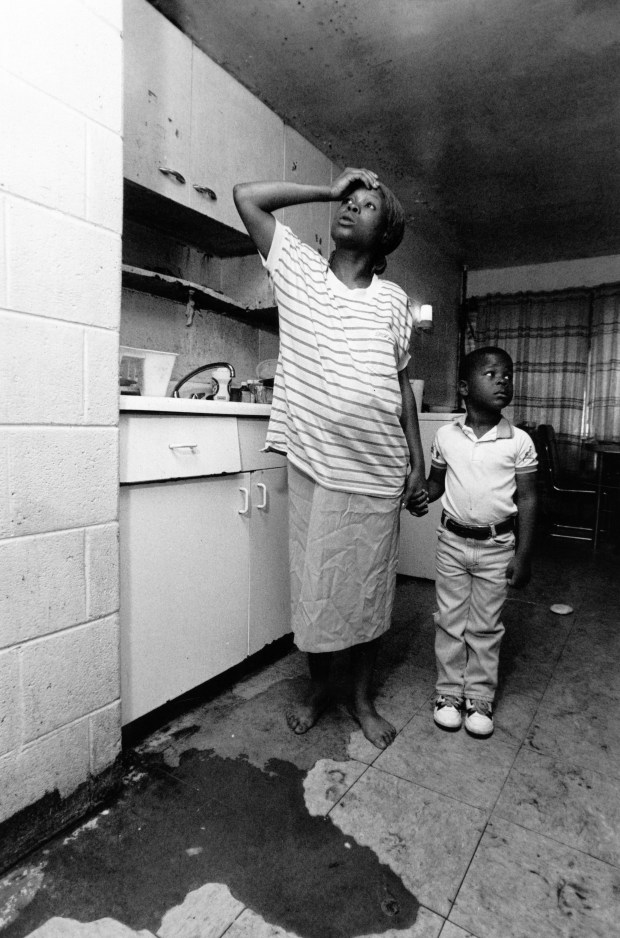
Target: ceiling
(497, 122)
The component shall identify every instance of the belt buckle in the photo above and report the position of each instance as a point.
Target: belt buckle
(493, 531)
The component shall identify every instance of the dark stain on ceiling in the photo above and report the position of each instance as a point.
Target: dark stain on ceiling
(497, 122)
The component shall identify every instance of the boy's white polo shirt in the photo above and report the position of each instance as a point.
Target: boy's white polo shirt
(481, 473)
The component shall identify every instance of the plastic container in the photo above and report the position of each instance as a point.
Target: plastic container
(149, 370)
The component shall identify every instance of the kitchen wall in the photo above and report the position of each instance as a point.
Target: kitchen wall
(583, 272)
(60, 245)
(158, 323)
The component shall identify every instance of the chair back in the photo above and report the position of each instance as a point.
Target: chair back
(548, 457)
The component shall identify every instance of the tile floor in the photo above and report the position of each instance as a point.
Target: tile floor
(228, 824)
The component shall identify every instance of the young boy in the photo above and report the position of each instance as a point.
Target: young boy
(478, 464)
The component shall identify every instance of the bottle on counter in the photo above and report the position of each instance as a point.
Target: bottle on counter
(247, 393)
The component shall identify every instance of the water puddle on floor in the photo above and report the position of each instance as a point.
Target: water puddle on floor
(213, 819)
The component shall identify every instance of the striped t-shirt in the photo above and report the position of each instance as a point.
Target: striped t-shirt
(337, 400)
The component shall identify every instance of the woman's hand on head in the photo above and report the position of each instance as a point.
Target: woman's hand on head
(351, 179)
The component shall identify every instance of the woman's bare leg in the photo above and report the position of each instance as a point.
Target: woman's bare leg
(303, 715)
(374, 726)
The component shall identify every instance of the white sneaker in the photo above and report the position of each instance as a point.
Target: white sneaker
(479, 717)
(447, 713)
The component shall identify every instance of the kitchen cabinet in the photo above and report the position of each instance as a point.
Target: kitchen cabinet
(269, 588)
(303, 163)
(234, 138)
(191, 130)
(184, 587)
(418, 536)
(158, 72)
(204, 560)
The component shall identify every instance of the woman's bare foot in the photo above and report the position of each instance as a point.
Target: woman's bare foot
(375, 728)
(303, 715)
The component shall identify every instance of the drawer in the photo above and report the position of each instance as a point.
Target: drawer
(154, 447)
(252, 432)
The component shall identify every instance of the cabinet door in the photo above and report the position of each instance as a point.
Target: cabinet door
(270, 597)
(184, 587)
(158, 60)
(234, 138)
(303, 163)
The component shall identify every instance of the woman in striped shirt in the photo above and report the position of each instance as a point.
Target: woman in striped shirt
(344, 415)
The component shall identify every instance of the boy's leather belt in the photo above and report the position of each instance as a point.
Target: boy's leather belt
(479, 533)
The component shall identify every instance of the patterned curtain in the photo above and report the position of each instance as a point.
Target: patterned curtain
(604, 379)
(547, 336)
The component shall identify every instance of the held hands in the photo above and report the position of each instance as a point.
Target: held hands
(351, 179)
(415, 495)
(518, 571)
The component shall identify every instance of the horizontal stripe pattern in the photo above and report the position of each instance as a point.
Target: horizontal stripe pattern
(337, 400)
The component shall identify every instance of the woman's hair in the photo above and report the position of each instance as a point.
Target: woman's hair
(394, 227)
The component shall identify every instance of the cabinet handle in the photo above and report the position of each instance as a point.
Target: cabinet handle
(263, 504)
(205, 190)
(246, 501)
(172, 172)
(182, 445)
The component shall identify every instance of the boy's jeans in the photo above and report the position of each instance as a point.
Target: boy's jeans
(471, 590)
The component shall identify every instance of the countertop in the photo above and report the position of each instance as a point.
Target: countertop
(185, 405)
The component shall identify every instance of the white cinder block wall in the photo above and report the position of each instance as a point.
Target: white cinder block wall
(60, 256)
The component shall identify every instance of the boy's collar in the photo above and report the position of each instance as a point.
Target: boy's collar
(504, 429)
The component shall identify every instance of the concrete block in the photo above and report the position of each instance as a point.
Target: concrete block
(104, 177)
(41, 370)
(105, 737)
(3, 266)
(43, 156)
(10, 715)
(60, 478)
(101, 377)
(102, 570)
(85, 261)
(68, 675)
(54, 46)
(42, 585)
(109, 10)
(57, 762)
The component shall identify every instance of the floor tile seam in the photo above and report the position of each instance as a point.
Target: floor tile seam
(350, 787)
(560, 843)
(236, 919)
(417, 784)
(612, 776)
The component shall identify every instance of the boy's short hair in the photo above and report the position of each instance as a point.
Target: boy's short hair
(473, 359)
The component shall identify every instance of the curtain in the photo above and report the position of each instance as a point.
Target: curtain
(603, 414)
(547, 336)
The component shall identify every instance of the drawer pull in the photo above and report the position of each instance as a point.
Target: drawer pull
(182, 445)
(172, 172)
(263, 504)
(205, 190)
(246, 501)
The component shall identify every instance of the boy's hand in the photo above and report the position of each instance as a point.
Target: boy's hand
(415, 495)
(351, 179)
(518, 571)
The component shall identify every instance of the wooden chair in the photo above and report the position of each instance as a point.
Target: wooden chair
(568, 503)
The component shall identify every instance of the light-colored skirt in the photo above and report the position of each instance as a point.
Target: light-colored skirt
(343, 557)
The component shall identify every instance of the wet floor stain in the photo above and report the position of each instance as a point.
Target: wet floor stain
(214, 819)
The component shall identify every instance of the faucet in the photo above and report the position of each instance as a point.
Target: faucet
(223, 373)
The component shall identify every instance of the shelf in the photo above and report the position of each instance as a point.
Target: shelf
(182, 291)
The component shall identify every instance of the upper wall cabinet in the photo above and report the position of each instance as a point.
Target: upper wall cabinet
(234, 138)
(191, 130)
(158, 74)
(303, 163)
